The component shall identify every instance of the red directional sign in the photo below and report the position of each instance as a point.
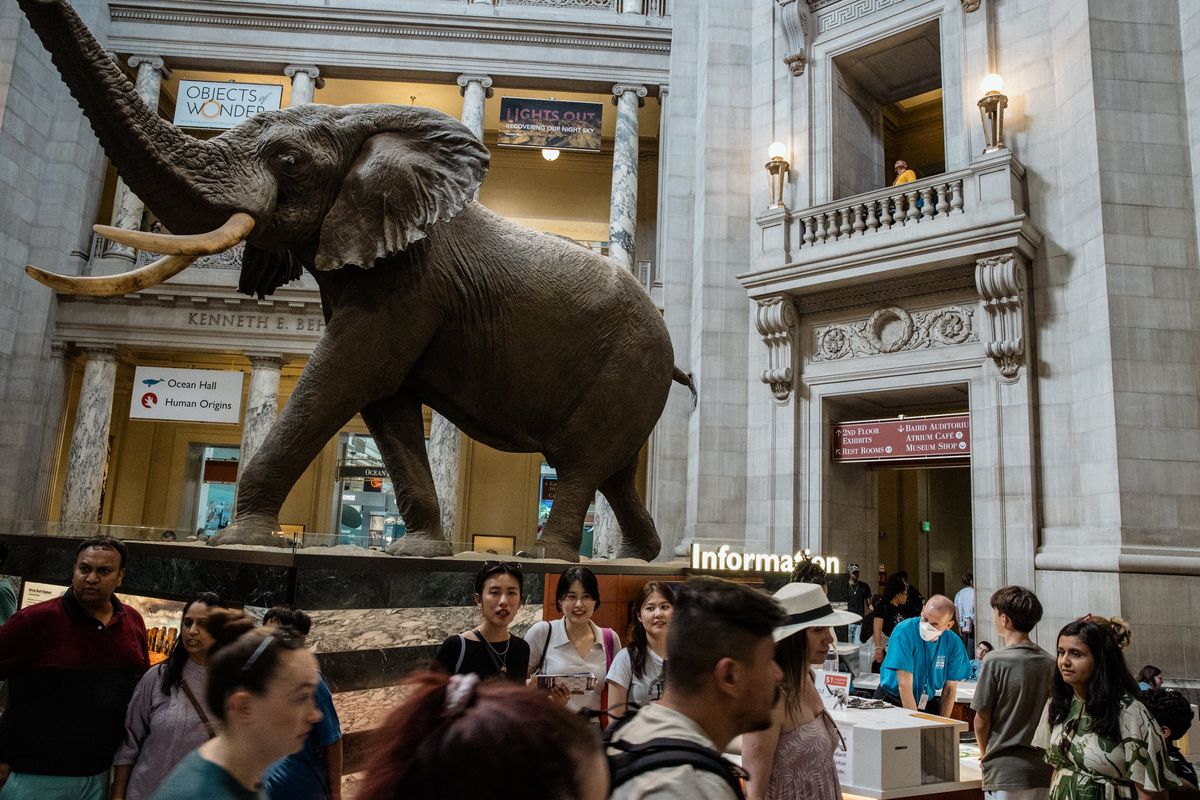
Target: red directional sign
(903, 438)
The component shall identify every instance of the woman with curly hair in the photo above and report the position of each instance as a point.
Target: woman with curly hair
(1101, 741)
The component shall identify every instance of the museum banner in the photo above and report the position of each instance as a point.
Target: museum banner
(903, 438)
(553, 124)
(220, 104)
(186, 395)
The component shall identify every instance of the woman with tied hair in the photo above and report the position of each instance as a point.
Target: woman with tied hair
(261, 691)
(457, 737)
(167, 717)
(1101, 741)
(637, 673)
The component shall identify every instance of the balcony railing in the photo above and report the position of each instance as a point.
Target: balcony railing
(898, 230)
(908, 204)
(649, 8)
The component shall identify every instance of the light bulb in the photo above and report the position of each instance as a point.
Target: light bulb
(550, 154)
(991, 84)
(777, 150)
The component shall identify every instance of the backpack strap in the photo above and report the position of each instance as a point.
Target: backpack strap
(609, 654)
(462, 653)
(665, 753)
(545, 646)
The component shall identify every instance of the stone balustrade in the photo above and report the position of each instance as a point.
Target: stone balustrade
(649, 8)
(897, 231)
(231, 259)
(863, 215)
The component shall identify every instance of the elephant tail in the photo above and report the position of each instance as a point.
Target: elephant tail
(686, 379)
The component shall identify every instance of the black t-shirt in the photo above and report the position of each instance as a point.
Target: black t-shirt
(891, 616)
(461, 656)
(856, 599)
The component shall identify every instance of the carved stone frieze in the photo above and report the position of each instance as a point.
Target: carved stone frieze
(1000, 281)
(970, 5)
(776, 323)
(793, 22)
(842, 13)
(893, 330)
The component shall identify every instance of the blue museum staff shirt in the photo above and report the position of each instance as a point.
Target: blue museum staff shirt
(303, 775)
(931, 663)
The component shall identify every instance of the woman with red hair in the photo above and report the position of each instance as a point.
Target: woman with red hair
(456, 736)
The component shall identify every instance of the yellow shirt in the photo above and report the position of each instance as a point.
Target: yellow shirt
(908, 176)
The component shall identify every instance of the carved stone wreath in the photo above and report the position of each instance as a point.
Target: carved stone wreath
(894, 330)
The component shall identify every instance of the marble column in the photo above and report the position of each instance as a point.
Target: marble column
(127, 207)
(58, 382)
(87, 463)
(445, 440)
(306, 79)
(622, 213)
(262, 402)
(475, 89)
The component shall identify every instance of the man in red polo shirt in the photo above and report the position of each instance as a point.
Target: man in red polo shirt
(71, 663)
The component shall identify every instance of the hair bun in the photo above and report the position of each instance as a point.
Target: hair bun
(226, 626)
(1121, 632)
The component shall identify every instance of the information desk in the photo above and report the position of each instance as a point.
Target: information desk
(892, 752)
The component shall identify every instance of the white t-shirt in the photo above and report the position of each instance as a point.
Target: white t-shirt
(645, 689)
(563, 659)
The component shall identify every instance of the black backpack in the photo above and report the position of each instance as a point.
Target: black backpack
(665, 753)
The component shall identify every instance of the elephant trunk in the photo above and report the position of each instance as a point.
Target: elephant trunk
(177, 176)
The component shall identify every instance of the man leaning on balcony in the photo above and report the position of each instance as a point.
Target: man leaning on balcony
(903, 174)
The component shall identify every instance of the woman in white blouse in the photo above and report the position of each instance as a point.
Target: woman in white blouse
(637, 672)
(574, 644)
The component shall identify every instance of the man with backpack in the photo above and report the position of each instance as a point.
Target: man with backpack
(721, 681)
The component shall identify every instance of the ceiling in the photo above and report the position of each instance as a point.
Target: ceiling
(899, 67)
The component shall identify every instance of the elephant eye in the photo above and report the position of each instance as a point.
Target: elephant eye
(286, 160)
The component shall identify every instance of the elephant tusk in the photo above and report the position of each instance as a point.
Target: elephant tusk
(113, 285)
(236, 229)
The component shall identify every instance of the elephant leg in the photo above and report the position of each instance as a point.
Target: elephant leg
(564, 529)
(399, 433)
(639, 539)
(341, 376)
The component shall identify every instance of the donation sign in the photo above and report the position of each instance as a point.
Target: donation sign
(187, 395)
(903, 438)
(553, 124)
(221, 104)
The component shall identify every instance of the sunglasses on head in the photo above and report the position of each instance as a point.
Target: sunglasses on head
(501, 565)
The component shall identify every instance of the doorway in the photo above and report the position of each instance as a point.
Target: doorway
(925, 525)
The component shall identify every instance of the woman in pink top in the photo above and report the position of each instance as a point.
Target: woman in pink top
(167, 717)
(793, 759)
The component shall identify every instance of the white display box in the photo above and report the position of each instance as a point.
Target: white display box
(893, 752)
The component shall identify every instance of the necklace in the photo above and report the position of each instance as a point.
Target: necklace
(500, 658)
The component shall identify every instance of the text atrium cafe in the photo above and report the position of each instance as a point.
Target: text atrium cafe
(172, 456)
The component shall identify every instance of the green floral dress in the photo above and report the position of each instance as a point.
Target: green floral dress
(1088, 766)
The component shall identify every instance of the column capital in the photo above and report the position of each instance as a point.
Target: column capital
(483, 80)
(310, 70)
(64, 351)
(620, 89)
(99, 352)
(266, 360)
(1000, 281)
(153, 62)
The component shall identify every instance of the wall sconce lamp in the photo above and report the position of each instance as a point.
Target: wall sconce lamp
(550, 154)
(991, 111)
(777, 167)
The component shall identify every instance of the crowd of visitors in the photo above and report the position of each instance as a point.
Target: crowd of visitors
(240, 711)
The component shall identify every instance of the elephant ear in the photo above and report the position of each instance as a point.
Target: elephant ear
(399, 185)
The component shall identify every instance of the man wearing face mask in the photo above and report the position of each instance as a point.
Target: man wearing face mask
(921, 660)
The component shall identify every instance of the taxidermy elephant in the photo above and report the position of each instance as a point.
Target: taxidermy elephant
(526, 342)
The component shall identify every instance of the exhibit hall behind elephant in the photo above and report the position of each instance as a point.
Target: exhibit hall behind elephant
(526, 342)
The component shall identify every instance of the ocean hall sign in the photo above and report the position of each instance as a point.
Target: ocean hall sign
(903, 438)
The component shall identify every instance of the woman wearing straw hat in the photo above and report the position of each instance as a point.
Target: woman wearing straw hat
(793, 759)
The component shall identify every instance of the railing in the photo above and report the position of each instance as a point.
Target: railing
(231, 259)
(897, 206)
(648, 8)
